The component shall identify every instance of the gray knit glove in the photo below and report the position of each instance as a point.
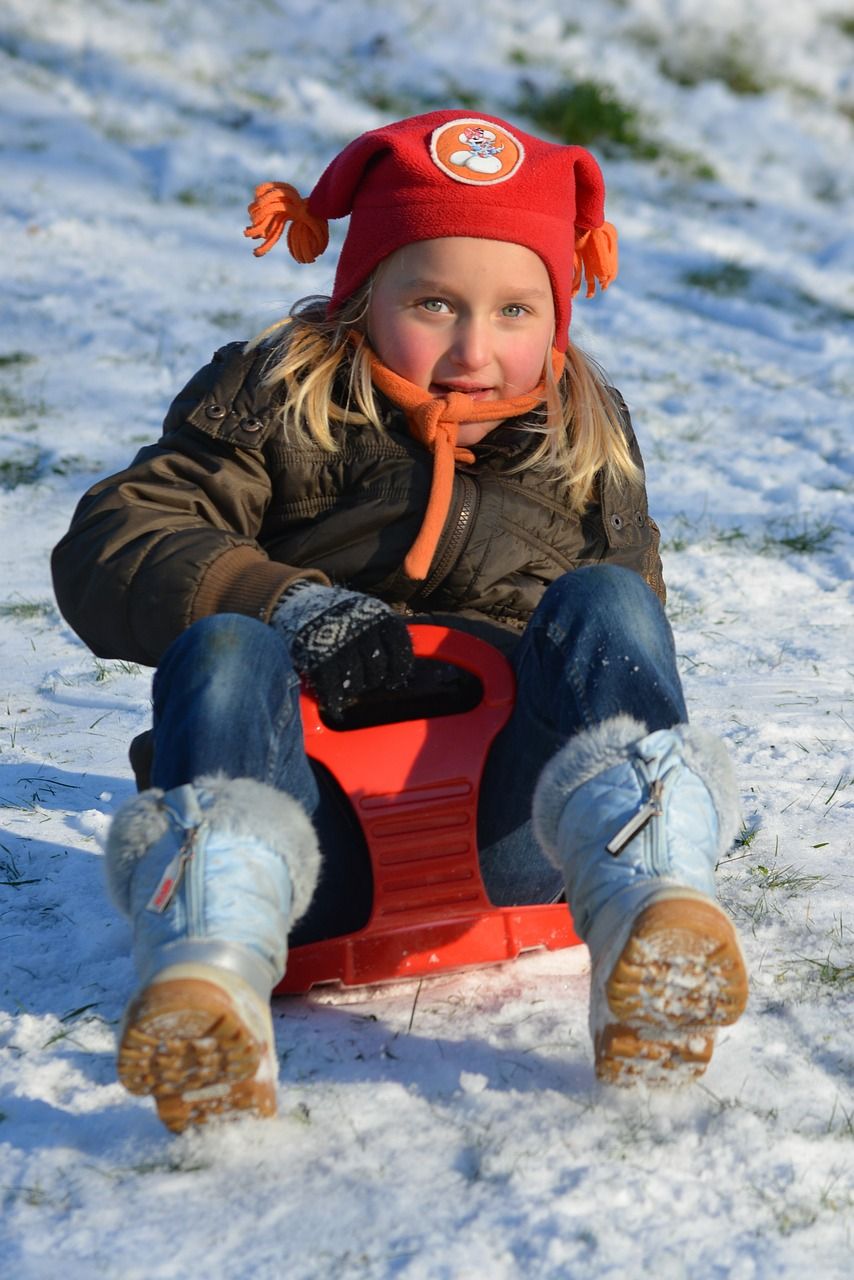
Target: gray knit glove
(342, 642)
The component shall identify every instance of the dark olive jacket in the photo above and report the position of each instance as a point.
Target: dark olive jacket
(222, 514)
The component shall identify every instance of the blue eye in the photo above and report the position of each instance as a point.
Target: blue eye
(433, 305)
(513, 310)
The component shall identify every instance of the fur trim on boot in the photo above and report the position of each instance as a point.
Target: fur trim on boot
(594, 750)
(240, 806)
(585, 756)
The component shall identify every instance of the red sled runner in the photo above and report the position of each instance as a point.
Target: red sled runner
(413, 786)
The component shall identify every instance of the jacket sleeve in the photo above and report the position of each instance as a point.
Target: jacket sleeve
(174, 537)
(620, 529)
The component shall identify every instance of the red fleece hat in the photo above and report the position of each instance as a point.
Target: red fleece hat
(449, 173)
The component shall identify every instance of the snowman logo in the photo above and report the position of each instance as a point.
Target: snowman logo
(488, 153)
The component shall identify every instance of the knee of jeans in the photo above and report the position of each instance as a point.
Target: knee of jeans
(605, 591)
(594, 586)
(226, 644)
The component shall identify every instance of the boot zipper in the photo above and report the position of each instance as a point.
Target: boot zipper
(453, 546)
(170, 881)
(651, 809)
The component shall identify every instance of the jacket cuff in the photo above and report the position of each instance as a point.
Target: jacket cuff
(243, 580)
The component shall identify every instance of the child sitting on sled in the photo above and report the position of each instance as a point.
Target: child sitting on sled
(428, 444)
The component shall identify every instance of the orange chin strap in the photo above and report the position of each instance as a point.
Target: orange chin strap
(435, 421)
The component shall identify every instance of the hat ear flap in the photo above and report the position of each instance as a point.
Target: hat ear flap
(336, 187)
(277, 204)
(589, 189)
(595, 239)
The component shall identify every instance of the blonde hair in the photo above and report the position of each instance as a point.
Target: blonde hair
(310, 356)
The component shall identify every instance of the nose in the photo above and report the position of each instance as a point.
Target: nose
(470, 349)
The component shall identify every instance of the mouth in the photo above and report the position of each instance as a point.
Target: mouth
(476, 390)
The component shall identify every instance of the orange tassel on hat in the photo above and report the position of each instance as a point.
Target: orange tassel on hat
(275, 205)
(596, 256)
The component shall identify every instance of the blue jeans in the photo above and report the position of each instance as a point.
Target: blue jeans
(226, 698)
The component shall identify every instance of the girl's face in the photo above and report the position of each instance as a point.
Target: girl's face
(460, 314)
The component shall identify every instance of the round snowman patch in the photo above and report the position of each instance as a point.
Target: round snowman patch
(476, 151)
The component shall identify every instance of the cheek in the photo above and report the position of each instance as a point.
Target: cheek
(407, 350)
(525, 361)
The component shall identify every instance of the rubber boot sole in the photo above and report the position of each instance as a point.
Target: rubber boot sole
(200, 1041)
(679, 976)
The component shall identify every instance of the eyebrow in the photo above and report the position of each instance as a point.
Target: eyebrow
(444, 286)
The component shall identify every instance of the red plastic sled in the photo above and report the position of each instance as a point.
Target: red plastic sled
(414, 788)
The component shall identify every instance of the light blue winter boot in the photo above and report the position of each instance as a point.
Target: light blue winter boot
(212, 876)
(637, 821)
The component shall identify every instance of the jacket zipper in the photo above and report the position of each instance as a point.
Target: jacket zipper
(454, 545)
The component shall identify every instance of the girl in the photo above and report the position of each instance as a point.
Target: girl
(425, 441)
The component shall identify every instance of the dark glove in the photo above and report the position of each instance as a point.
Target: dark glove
(342, 642)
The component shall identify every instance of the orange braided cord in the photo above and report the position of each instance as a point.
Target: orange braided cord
(595, 254)
(275, 205)
(419, 557)
(434, 422)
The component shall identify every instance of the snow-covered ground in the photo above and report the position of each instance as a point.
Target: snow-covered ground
(456, 1131)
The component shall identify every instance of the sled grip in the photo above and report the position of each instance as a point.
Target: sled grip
(413, 786)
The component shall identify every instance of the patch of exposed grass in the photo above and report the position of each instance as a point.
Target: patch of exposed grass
(74, 464)
(826, 971)
(681, 533)
(845, 23)
(725, 279)
(746, 836)
(775, 884)
(226, 320)
(690, 163)
(14, 406)
(35, 1196)
(167, 1164)
(191, 196)
(844, 1126)
(23, 467)
(399, 105)
(791, 879)
(804, 538)
(107, 670)
(729, 279)
(22, 463)
(13, 359)
(394, 103)
(733, 63)
(821, 311)
(681, 608)
(10, 873)
(591, 114)
(26, 609)
(11, 404)
(840, 785)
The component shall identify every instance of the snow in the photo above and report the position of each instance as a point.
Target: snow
(452, 1130)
